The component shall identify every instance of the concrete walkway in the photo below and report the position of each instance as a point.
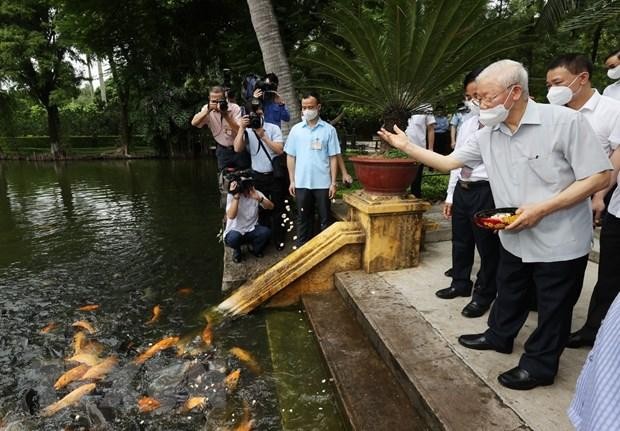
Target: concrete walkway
(541, 409)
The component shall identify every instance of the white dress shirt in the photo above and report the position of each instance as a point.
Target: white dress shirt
(603, 114)
(613, 90)
(478, 172)
(416, 128)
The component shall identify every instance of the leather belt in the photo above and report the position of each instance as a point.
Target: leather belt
(469, 185)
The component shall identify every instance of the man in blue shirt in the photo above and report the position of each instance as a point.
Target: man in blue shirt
(312, 150)
(274, 108)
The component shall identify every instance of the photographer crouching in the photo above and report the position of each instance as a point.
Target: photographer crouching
(265, 145)
(242, 226)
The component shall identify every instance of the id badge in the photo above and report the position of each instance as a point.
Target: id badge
(228, 132)
(316, 144)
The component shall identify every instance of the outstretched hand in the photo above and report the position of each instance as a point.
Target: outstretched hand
(398, 139)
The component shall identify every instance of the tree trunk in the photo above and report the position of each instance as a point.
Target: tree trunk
(53, 130)
(274, 57)
(595, 40)
(124, 128)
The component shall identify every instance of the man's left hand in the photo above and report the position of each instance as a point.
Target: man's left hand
(260, 132)
(598, 206)
(529, 216)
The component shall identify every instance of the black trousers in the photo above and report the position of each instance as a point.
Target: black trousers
(442, 143)
(416, 185)
(307, 200)
(557, 284)
(466, 236)
(608, 285)
(273, 188)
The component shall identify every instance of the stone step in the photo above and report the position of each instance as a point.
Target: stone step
(372, 398)
(443, 388)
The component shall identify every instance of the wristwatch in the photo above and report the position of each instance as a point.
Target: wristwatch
(262, 198)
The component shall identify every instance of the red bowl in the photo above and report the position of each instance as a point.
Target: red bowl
(485, 218)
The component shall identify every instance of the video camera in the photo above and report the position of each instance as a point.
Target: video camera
(268, 85)
(244, 181)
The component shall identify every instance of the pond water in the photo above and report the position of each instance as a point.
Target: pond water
(129, 236)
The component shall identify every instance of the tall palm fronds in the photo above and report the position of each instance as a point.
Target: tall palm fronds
(599, 12)
(406, 53)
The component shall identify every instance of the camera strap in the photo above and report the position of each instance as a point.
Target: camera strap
(260, 143)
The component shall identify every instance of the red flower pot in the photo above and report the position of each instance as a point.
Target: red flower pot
(382, 176)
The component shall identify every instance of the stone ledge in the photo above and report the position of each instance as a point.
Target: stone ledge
(441, 386)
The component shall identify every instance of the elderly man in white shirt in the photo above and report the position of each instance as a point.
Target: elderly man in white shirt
(568, 79)
(469, 192)
(612, 62)
(546, 161)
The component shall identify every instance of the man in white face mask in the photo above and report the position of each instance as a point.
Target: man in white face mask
(612, 62)
(546, 161)
(312, 150)
(603, 113)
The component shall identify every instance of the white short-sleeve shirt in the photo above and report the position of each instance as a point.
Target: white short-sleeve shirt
(260, 161)
(417, 125)
(613, 90)
(603, 113)
(247, 214)
(553, 147)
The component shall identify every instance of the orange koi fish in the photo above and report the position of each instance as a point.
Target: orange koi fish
(100, 370)
(232, 379)
(72, 398)
(84, 325)
(207, 334)
(148, 404)
(163, 344)
(246, 423)
(89, 307)
(85, 358)
(192, 403)
(70, 376)
(156, 314)
(245, 357)
(185, 291)
(49, 328)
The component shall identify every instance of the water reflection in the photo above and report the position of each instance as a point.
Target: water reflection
(128, 236)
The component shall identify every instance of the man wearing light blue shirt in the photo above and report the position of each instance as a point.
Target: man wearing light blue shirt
(312, 148)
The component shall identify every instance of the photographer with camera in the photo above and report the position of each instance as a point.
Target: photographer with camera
(242, 204)
(222, 117)
(273, 106)
(265, 145)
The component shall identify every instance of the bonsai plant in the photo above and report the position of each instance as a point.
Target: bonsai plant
(396, 55)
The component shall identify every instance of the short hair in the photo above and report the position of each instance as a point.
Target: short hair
(311, 93)
(615, 53)
(217, 89)
(574, 62)
(471, 77)
(273, 78)
(506, 73)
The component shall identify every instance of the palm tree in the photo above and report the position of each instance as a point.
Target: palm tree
(274, 58)
(404, 54)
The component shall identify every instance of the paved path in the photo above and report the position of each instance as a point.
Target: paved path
(542, 409)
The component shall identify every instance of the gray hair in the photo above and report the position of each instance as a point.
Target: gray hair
(506, 73)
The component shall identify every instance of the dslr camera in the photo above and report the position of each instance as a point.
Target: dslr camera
(243, 181)
(256, 121)
(223, 105)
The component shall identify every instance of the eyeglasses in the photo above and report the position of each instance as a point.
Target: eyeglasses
(489, 100)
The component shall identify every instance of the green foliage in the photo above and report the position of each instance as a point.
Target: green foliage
(404, 53)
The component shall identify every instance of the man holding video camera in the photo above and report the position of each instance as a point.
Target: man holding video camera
(265, 145)
(222, 117)
(273, 106)
(242, 226)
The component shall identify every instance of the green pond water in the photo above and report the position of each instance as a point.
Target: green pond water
(128, 236)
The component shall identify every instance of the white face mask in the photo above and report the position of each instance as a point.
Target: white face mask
(310, 114)
(614, 73)
(497, 114)
(473, 108)
(561, 94)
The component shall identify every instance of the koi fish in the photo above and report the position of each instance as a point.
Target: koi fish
(70, 376)
(72, 398)
(148, 404)
(246, 423)
(49, 328)
(163, 344)
(156, 314)
(79, 341)
(85, 358)
(245, 357)
(89, 307)
(232, 379)
(192, 403)
(100, 370)
(84, 325)
(207, 334)
(185, 291)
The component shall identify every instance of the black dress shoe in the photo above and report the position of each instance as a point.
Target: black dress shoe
(480, 342)
(448, 273)
(237, 256)
(475, 309)
(581, 338)
(451, 292)
(521, 380)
